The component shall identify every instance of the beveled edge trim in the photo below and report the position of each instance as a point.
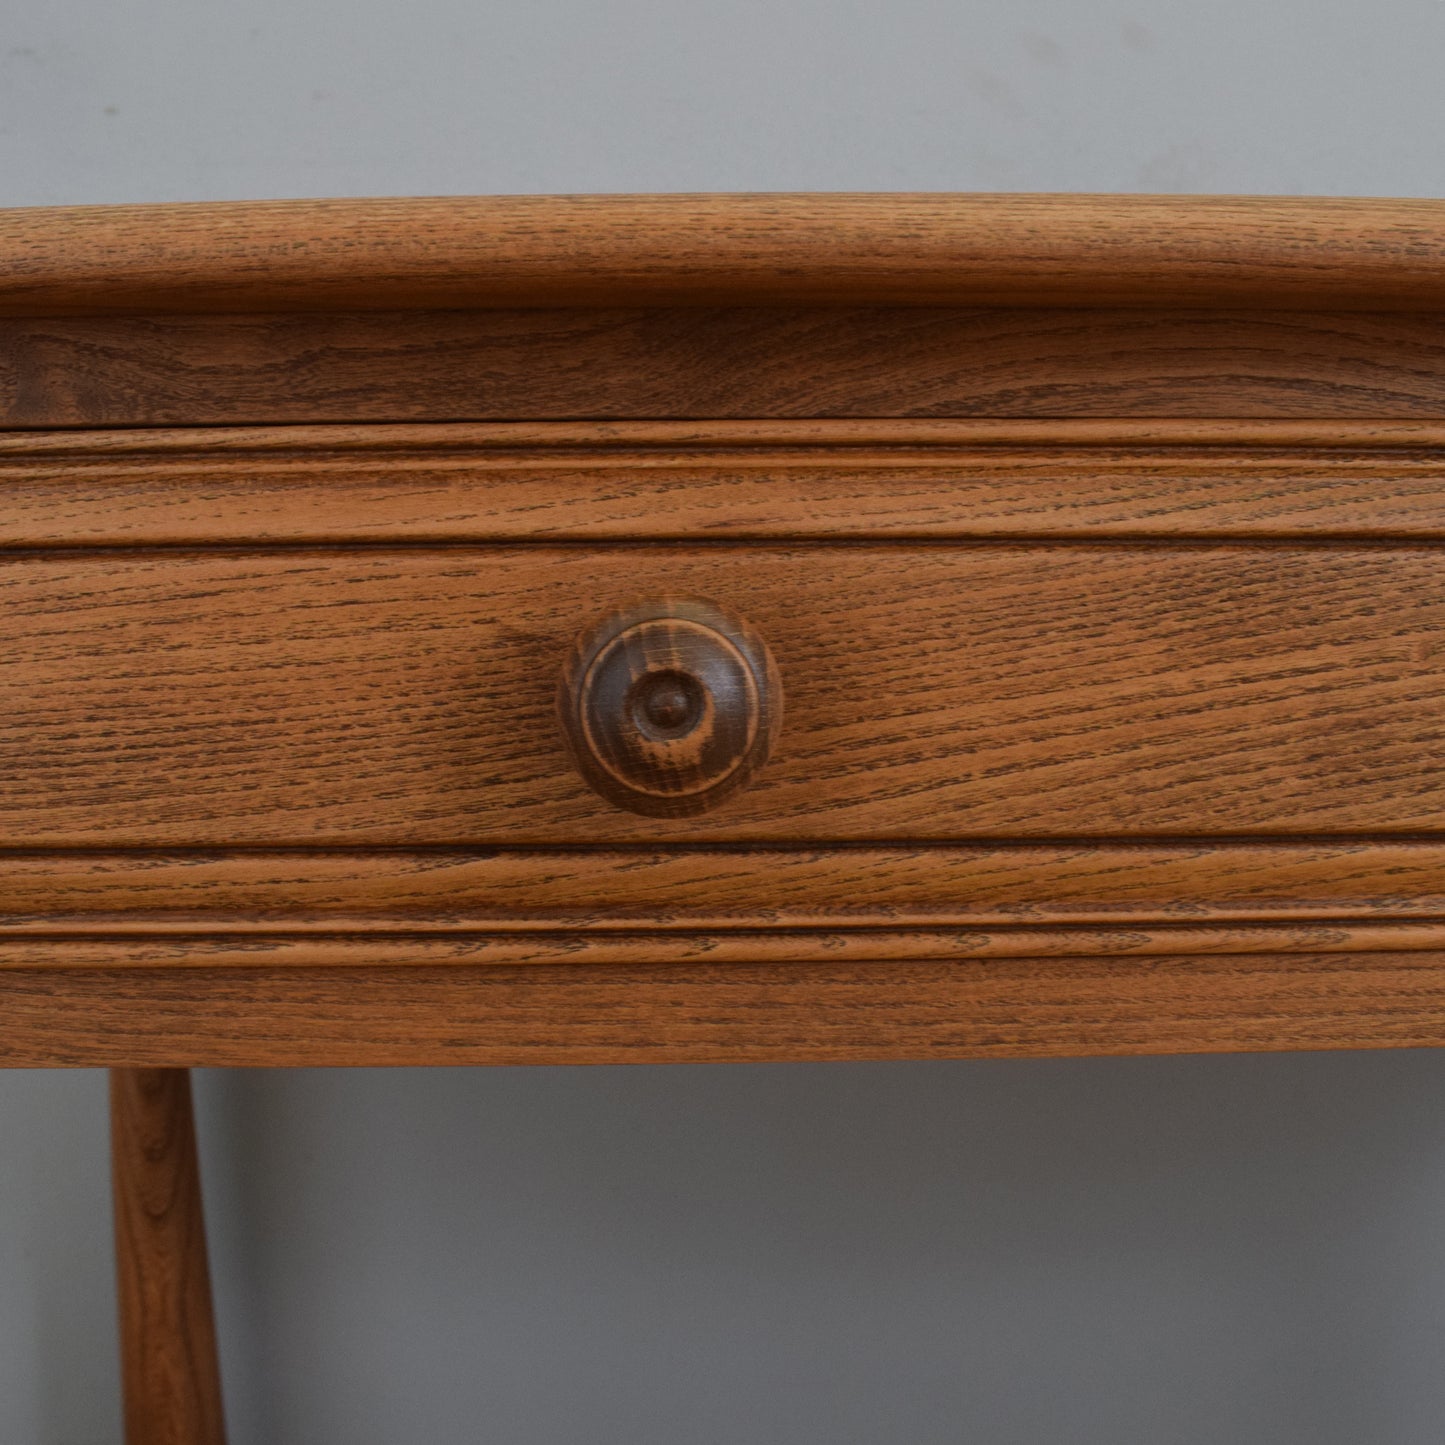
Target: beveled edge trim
(741, 483)
(655, 904)
(742, 249)
(773, 887)
(389, 948)
(425, 438)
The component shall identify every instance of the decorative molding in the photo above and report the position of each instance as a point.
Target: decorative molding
(743, 481)
(1145, 889)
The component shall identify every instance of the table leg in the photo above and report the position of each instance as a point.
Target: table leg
(169, 1370)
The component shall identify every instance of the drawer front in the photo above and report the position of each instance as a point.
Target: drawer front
(1097, 736)
(932, 692)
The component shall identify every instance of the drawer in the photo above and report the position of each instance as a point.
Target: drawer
(932, 693)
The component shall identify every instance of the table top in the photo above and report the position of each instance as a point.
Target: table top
(616, 250)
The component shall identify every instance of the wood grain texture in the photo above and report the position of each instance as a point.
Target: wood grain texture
(1134, 886)
(741, 946)
(170, 1373)
(1096, 539)
(725, 480)
(984, 1007)
(161, 370)
(397, 698)
(547, 250)
(890, 432)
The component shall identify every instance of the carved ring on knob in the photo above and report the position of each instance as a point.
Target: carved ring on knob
(670, 706)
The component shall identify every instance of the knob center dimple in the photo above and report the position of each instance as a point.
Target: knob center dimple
(667, 703)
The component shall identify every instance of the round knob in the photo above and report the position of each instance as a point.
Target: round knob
(670, 706)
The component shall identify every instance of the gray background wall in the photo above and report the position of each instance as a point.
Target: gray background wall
(1244, 1249)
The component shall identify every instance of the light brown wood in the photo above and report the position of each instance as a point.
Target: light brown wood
(1131, 885)
(593, 250)
(158, 370)
(169, 1367)
(467, 952)
(724, 481)
(728, 1012)
(405, 697)
(540, 437)
(1097, 541)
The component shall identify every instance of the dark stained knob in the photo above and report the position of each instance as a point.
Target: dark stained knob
(668, 707)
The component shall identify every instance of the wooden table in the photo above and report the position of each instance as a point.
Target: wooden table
(599, 629)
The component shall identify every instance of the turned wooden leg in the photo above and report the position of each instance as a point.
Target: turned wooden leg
(169, 1370)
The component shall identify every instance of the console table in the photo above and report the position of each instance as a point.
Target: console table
(639, 629)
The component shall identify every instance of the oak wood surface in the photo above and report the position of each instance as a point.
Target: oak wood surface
(724, 480)
(700, 1012)
(1130, 885)
(394, 698)
(785, 432)
(170, 1373)
(188, 370)
(1096, 539)
(467, 952)
(546, 250)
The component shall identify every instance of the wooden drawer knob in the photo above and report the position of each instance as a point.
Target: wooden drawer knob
(669, 707)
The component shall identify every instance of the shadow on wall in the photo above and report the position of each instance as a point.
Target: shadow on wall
(1184, 1250)
(59, 1369)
